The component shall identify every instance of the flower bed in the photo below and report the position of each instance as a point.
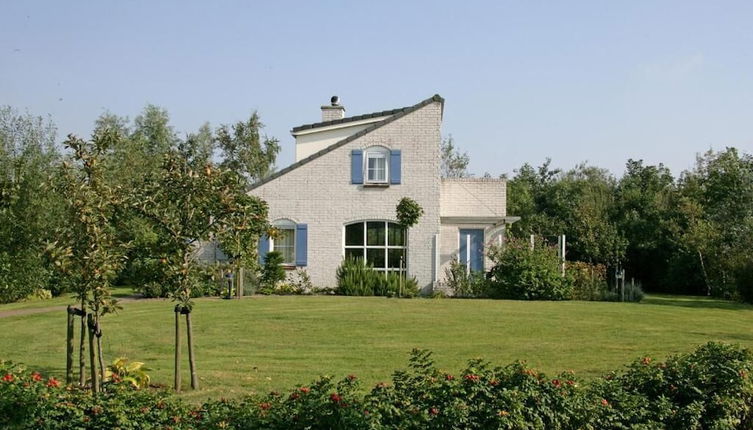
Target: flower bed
(709, 388)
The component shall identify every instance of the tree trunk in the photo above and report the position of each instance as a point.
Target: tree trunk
(705, 275)
(191, 358)
(69, 347)
(82, 347)
(92, 354)
(100, 357)
(177, 349)
(241, 274)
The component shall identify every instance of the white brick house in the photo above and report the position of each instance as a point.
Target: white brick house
(338, 199)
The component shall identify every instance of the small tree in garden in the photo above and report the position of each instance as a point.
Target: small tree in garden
(87, 251)
(408, 212)
(190, 205)
(238, 236)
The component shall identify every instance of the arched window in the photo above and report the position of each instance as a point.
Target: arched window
(285, 242)
(380, 243)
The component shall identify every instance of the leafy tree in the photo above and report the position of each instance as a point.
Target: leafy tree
(87, 250)
(28, 209)
(245, 150)
(646, 199)
(190, 206)
(454, 164)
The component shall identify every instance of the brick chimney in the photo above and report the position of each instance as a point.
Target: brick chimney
(334, 111)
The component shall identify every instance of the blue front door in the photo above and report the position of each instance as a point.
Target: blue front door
(471, 249)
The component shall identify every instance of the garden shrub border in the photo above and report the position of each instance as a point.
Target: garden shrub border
(708, 388)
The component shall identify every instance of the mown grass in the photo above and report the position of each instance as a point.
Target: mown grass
(274, 343)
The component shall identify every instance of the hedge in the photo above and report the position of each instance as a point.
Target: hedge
(710, 388)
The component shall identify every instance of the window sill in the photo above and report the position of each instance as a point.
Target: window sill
(376, 185)
(288, 266)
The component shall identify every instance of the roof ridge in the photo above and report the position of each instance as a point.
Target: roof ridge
(399, 114)
(353, 118)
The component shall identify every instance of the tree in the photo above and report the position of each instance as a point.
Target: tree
(28, 209)
(189, 206)
(87, 250)
(454, 164)
(244, 149)
(645, 200)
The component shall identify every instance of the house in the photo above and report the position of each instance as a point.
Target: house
(338, 198)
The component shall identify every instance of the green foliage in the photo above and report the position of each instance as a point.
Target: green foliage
(244, 149)
(272, 273)
(454, 164)
(710, 388)
(408, 212)
(87, 251)
(522, 273)
(589, 280)
(29, 209)
(122, 370)
(355, 278)
(187, 206)
(464, 284)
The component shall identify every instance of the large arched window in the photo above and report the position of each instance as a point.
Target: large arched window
(380, 243)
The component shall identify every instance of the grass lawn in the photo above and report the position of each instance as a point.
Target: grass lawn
(274, 343)
(65, 299)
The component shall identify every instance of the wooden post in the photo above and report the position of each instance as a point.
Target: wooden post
(92, 353)
(69, 347)
(191, 359)
(177, 348)
(100, 356)
(241, 283)
(533, 242)
(82, 347)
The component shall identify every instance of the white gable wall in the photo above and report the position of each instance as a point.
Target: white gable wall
(309, 142)
(320, 194)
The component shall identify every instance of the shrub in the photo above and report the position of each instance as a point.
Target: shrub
(464, 284)
(710, 388)
(154, 281)
(355, 278)
(589, 280)
(299, 282)
(522, 273)
(272, 272)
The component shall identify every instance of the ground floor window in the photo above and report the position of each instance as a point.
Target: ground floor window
(284, 243)
(380, 243)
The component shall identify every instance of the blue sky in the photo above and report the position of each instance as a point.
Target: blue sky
(575, 81)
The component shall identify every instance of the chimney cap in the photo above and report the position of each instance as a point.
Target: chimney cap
(335, 101)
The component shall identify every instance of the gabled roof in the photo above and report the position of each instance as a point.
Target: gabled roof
(396, 113)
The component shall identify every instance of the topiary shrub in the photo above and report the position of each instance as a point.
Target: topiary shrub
(523, 273)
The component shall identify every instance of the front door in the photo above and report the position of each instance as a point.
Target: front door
(471, 249)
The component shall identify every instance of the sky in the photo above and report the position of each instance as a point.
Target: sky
(574, 81)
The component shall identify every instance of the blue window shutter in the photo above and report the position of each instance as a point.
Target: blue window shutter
(395, 166)
(301, 244)
(356, 167)
(263, 247)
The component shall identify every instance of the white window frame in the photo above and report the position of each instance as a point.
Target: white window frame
(284, 225)
(377, 153)
(386, 247)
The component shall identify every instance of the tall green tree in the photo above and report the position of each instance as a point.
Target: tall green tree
(28, 209)
(245, 150)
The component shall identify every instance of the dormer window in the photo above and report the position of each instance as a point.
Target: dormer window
(376, 166)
